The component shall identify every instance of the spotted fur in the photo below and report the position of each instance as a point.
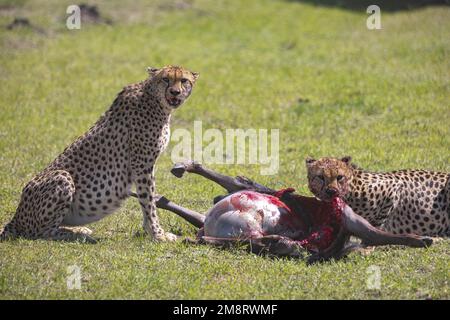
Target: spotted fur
(94, 175)
(402, 202)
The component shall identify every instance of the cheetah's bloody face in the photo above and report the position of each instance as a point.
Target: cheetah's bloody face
(174, 84)
(329, 177)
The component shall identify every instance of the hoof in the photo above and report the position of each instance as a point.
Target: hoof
(314, 259)
(178, 170)
(427, 241)
(88, 239)
(161, 202)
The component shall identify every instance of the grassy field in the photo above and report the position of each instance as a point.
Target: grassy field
(329, 84)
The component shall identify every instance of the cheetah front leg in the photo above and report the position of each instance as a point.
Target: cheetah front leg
(146, 193)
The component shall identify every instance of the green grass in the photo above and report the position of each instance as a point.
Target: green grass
(331, 86)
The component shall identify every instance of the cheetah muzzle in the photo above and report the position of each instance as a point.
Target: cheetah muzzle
(95, 174)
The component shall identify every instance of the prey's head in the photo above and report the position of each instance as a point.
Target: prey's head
(329, 178)
(173, 85)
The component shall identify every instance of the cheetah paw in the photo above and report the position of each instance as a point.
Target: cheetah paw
(85, 238)
(167, 236)
(170, 236)
(83, 230)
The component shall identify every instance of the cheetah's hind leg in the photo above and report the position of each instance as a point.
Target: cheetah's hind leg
(81, 234)
(45, 201)
(72, 234)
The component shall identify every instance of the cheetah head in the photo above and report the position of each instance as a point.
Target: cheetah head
(172, 84)
(329, 177)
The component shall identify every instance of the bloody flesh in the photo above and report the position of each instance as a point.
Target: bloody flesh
(249, 214)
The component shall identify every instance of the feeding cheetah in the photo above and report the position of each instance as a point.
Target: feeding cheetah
(94, 175)
(401, 202)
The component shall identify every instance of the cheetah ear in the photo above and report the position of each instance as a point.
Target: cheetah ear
(347, 160)
(309, 161)
(152, 71)
(195, 75)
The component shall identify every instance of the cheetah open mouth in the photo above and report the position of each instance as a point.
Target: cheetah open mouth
(173, 101)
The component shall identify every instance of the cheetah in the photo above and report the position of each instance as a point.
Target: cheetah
(401, 202)
(92, 177)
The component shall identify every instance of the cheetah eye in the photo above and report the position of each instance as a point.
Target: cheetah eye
(340, 178)
(321, 178)
(165, 79)
(184, 80)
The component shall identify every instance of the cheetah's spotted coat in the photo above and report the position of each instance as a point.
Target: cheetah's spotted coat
(94, 175)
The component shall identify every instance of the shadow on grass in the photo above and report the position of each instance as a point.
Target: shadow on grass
(385, 5)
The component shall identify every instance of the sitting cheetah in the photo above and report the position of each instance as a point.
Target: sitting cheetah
(406, 201)
(94, 175)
